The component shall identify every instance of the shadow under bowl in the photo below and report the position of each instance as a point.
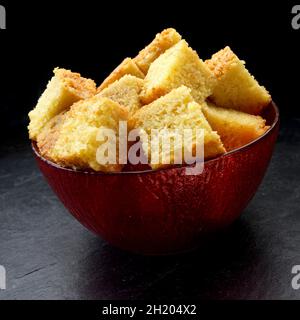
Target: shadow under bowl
(165, 211)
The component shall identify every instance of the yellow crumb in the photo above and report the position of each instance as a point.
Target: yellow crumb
(179, 65)
(236, 88)
(62, 91)
(127, 66)
(176, 110)
(77, 144)
(126, 92)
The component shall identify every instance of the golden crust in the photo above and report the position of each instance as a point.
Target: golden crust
(127, 66)
(82, 87)
(221, 61)
(49, 135)
(235, 128)
(163, 41)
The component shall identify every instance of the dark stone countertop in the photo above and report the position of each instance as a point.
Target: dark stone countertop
(49, 255)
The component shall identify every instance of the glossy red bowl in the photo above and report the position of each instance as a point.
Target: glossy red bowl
(165, 211)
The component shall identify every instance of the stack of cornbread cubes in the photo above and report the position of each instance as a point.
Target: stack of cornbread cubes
(166, 85)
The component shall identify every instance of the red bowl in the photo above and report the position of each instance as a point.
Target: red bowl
(165, 211)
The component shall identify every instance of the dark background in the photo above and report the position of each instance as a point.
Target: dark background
(92, 37)
(47, 253)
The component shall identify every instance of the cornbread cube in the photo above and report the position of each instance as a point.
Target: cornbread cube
(236, 88)
(126, 92)
(176, 110)
(77, 142)
(162, 41)
(235, 128)
(127, 66)
(62, 91)
(179, 65)
(48, 136)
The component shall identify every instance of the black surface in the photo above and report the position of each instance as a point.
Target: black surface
(49, 255)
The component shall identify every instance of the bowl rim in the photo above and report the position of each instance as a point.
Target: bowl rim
(178, 167)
